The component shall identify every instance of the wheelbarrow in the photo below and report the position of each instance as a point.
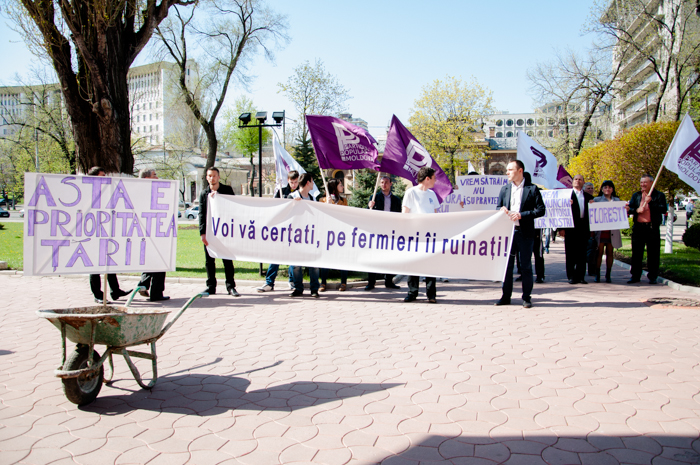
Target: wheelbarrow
(118, 328)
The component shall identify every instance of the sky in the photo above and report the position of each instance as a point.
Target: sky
(385, 51)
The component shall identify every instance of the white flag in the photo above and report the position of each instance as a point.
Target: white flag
(541, 164)
(284, 163)
(683, 156)
(471, 168)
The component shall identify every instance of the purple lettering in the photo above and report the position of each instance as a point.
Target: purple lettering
(81, 254)
(102, 218)
(105, 254)
(42, 189)
(32, 220)
(156, 194)
(57, 223)
(79, 194)
(120, 193)
(97, 182)
(159, 223)
(54, 252)
(148, 216)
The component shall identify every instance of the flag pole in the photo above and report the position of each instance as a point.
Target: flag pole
(376, 185)
(325, 185)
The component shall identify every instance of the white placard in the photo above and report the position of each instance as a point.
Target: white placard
(98, 224)
(558, 205)
(604, 216)
(473, 245)
(476, 192)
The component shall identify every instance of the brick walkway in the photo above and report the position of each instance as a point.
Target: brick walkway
(590, 375)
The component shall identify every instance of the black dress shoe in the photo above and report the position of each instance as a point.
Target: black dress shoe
(392, 286)
(527, 304)
(119, 293)
(99, 301)
(539, 280)
(503, 302)
(409, 298)
(209, 291)
(234, 292)
(572, 281)
(654, 281)
(368, 287)
(158, 299)
(633, 280)
(583, 281)
(295, 294)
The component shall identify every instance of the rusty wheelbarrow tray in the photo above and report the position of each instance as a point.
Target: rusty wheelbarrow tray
(116, 327)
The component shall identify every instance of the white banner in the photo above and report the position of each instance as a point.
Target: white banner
(476, 192)
(605, 216)
(98, 224)
(558, 205)
(683, 155)
(473, 245)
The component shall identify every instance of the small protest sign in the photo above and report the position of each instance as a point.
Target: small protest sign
(558, 205)
(474, 193)
(605, 216)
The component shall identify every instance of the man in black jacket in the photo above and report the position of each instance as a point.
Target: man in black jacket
(388, 202)
(214, 187)
(522, 202)
(648, 210)
(576, 238)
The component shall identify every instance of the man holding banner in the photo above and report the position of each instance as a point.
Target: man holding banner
(522, 202)
(647, 210)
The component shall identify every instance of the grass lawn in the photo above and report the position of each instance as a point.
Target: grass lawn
(190, 256)
(682, 266)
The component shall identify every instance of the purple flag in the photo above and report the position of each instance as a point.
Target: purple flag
(341, 145)
(404, 156)
(564, 177)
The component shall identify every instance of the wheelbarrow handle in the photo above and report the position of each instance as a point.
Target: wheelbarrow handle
(181, 311)
(133, 294)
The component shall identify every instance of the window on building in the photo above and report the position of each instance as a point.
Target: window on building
(150, 106)
(530, 122)
(137, 119)
(509, 122)
(550, 133)
(509, 134)
(150, 117)
(156, 128)
(150, 128)
(499, 134)
(540, 122)
(530, 133)
(499, 122)
(519, 122)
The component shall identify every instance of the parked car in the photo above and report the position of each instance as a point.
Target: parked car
(184, 205)
(21, 213)
(179, 214)
(4, 213)
(192, 213)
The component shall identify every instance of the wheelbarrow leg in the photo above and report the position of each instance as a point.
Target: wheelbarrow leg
(135, 371)
(108, 380)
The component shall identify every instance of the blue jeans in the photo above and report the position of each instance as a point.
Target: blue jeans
(297, 274)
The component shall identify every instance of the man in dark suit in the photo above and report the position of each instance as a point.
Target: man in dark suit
(214, 187)
(576, 238)
(388, 202)
(522, 202)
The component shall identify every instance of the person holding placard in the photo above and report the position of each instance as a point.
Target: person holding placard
(647, 210)
(607, 240)
(333, 197)
(154, 281)
(576, 238)
(421, 199)
(522, 202)
(214, 187)
(388, 202)
(95, 285)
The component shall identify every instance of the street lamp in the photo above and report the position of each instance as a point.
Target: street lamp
(261, 116)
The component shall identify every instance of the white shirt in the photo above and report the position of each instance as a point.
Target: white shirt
(579, 196)
(516, 197)
(420, 201)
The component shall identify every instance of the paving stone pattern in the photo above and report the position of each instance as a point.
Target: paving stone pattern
(590, 375)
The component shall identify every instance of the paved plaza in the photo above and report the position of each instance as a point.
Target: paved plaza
(592, 374)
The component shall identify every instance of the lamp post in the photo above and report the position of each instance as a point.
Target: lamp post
(260, 117)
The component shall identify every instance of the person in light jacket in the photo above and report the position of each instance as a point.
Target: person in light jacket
(607, 240)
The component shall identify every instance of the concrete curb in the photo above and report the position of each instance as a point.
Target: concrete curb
(664, 281)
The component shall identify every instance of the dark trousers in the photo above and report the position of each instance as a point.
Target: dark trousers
(324, 275)
(649, 236)
(372, 279)
(592, 255)
(522, 246)
(537, 251)
(430, 286)
(575, 248)
(96, 284)
(155, 282)
(211, 272)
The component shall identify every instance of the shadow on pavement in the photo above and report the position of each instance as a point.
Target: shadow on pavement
(594, 449)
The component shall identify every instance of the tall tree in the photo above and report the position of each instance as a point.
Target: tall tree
(91, 45)
(579, 87)
(313, 91)
(227, 34)
(664, 35)
(446, 119)
(245, 141)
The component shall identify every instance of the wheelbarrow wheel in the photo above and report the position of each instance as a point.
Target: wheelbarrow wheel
(83, 389)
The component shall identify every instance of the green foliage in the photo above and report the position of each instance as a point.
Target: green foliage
(628, 156)
(11, 244)
(628, 232)
(691, 236)
(304, 153)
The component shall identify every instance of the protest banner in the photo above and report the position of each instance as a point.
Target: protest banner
(558, 205)
(341, 145)
(683, 155)
(605, 216)
(476, 192)
(404, 156)
(96, 224)
(473, 245)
